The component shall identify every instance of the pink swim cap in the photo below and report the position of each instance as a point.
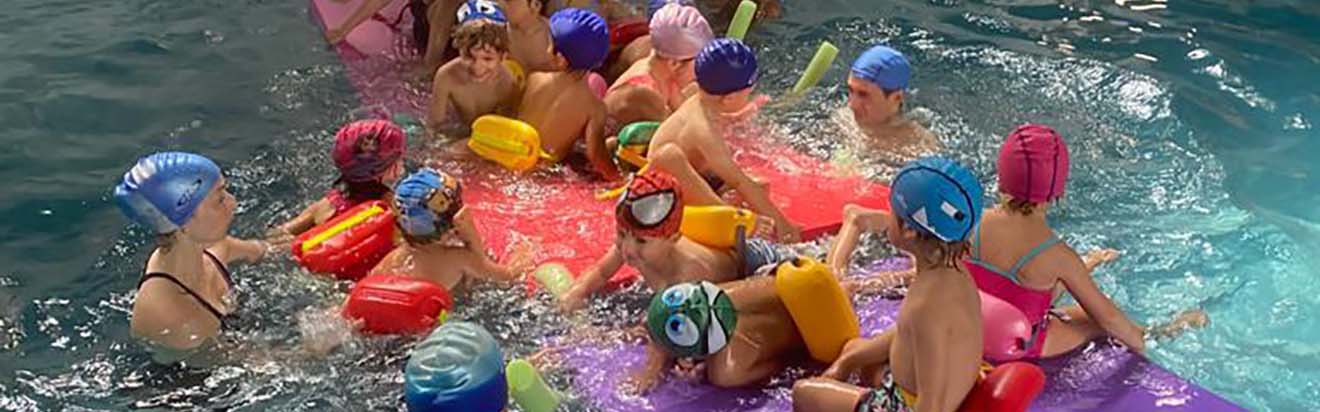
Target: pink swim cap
(679, 32)
(1033, 164)
(366, 149)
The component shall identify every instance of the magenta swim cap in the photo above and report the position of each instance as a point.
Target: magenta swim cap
(679, 32)
(1033, 164)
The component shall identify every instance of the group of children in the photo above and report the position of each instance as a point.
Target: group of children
(714, 308)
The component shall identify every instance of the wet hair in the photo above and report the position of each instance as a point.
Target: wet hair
(946, 254)
(1017, 206)
(481, 33)
(357, 192)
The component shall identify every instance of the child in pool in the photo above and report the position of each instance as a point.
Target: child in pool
(653, 87)
(934, 349)
(477, 82)
(877, 88)
(690, 143)
(529, 34)
(433, 20)
(441, 242)
(369, 156)
(561, 105)
(1017, 257)
(186, 294)
(648, 216)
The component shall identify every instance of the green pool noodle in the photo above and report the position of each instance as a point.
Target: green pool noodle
(742, 20)
(819, 65)
(637, 133)
(529, 390)
(556, 278)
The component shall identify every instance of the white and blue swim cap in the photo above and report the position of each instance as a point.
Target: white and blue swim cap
(480, 9)
(162, 191)
(938, 197)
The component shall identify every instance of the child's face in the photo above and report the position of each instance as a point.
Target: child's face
(736, 101)
(638, 251)
(870, 104)
(210, 223)
(483, 62)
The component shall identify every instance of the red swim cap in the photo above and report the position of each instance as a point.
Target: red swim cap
(366, 149)
(652, 206)
(1033, 164)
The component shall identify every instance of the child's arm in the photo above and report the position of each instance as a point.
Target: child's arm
(597, 153)
(856, 220)
(303, 222)
(936, 372)
(720, 161)
(234, 249)
(592, 280)
(861, 354)
(467, 230)
(393, 263)
(657, 362)
(438, 112)
(363, 12)
(1077, 278)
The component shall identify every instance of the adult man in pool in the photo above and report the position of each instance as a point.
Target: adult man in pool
(877, 89)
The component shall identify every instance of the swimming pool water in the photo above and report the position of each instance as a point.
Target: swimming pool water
(1189, 123)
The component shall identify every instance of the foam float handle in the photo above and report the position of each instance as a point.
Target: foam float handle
(742, 20)
(556, 278)
(820, 63)
(529, 390)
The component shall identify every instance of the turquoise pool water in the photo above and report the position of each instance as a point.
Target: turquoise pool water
(1189, 123)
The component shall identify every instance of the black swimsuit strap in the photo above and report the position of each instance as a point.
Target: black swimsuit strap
(224, 271)
(206, 305)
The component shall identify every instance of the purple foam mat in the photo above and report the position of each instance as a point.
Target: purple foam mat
(1100, 376)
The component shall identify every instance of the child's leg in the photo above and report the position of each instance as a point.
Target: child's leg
(820, 394)
(1064, 335)
(742, 363)
(696, 191)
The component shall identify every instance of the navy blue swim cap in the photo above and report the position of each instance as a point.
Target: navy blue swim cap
(162, 191)
(938, 197)
(725, 66)
(581, 36)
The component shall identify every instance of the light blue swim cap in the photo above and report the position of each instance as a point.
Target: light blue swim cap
(163, 190)
(458, 368)
(938, 197)
(884, 67)
(725, 66)
(581, 36)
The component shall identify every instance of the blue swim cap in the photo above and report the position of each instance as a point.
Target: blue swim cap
(458, 368)
(885, 67)
(655, 5)
(163, 190)
(725, 66)
(937, 196)
(581, 36)
(480, 9)
(416, 195)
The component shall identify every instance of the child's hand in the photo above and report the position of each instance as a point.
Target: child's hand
(572, 301)
(765, 227)
(642, 382)
(787, 231)
(690, 370)
(521, 258)
(1098, 257)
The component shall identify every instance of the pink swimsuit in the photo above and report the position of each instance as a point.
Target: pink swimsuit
(1035, 304)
